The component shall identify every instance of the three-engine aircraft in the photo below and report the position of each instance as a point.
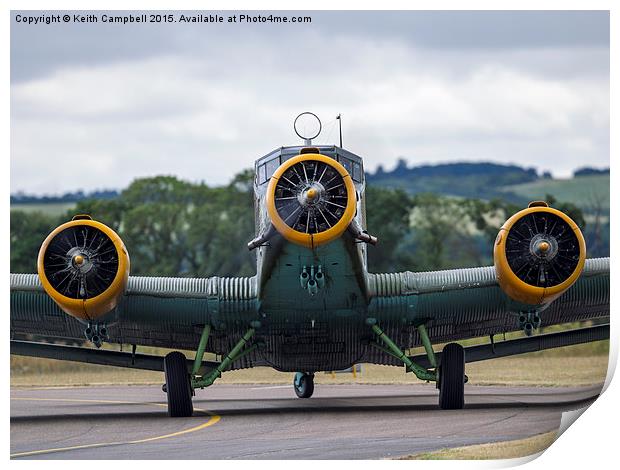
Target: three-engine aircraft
(312, 305)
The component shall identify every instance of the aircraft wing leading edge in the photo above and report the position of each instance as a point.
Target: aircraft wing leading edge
(466, 303)
(163, 312)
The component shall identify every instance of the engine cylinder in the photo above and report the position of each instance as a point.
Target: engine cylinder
(311, 199)
(83, 266)
(538, 254)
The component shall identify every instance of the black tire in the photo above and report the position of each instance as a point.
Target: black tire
(452, 378)
(178, 385)
(306, 386)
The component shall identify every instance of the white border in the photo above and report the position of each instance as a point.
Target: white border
(593, 441)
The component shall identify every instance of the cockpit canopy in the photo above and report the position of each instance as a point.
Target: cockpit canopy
(267, 165)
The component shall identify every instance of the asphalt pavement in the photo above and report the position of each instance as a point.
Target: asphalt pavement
(270, 422)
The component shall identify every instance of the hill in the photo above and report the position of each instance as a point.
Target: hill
(70, 197)
(473, 180)
(586, 192)
(589, 190)
(49, 208)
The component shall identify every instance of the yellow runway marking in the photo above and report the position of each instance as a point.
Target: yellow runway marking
(213, 419)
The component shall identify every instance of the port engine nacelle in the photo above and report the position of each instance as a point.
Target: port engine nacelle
(84, 267)
(539, 253)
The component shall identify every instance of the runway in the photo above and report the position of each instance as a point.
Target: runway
(269, 422)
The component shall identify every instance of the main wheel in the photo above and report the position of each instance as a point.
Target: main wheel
(178, 385)
(452, 378)
(303, 385)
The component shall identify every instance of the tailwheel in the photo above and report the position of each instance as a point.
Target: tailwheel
(452, 377)
(178, 385)
(303, 383)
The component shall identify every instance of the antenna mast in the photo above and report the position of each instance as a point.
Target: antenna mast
(340, 128)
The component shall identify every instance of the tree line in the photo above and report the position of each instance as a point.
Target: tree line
(176, 228)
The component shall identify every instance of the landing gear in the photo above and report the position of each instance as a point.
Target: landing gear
(452, 378)
(303, 384)
(449, 376)
(178, 385)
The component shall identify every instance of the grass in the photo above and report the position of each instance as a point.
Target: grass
(578, 365)
(498, 450)
(52, 208)
(583, 191)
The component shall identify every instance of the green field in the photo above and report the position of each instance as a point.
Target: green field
(570, 366)
(496, 450)
(585, 191)
(53, 209)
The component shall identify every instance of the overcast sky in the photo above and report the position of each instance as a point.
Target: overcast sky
(96, 105)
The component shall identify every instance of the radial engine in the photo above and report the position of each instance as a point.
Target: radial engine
(538, 254)
(83, 266)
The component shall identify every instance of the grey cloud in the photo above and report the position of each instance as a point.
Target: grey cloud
(203, 101)
(37, 50)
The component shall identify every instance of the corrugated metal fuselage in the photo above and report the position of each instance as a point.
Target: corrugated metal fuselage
(304, 331)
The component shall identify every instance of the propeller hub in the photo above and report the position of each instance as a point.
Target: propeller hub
(544, 247)
(311, 194)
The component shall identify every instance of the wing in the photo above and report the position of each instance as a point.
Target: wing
(154, 311)
(466, 303)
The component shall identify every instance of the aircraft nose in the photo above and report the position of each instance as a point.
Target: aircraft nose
(311, 199)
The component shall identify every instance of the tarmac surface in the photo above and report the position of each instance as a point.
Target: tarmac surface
(270, 422)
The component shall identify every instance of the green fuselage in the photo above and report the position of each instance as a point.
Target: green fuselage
(304, 326)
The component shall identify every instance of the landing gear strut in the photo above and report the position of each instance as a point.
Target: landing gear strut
(178, 385)
(452, 377)
(449, 376)
(303, 383)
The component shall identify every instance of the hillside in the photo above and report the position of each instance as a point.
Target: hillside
(490, 180)
(473, 180)
(586, 192)
(49, 208)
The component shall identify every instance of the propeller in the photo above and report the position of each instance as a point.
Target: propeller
(81, 262)
(542, 249)
(311, 196)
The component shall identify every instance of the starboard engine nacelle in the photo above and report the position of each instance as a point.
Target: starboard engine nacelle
(84, 267)
(539, 253)
(311, 199)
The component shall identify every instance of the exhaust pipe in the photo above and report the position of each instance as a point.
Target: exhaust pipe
(304, 277)
(312, 287)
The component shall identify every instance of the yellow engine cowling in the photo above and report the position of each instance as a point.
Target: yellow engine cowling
(311, 199)
(84, 267)
(539, 253)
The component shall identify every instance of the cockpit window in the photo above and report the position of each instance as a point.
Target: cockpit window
(271, 166)
(271, 163)
(353, 167)
(357, 172)
(262, 176)
(347, 164)
(267, 169)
